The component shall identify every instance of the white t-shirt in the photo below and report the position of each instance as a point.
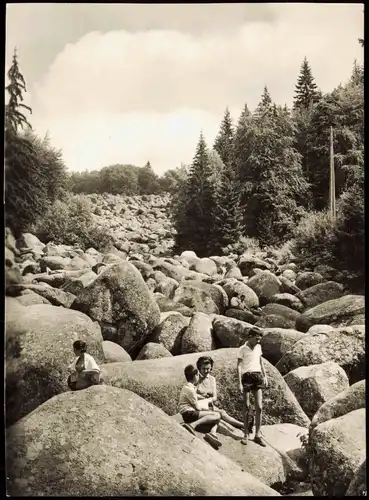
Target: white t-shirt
(187, 398)
(250, 358)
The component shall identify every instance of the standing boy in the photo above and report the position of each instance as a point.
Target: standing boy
(190, 409)
(252, 377)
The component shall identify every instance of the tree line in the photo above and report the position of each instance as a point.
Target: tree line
(272, 180)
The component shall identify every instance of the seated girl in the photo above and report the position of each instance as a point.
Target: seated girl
(84, 371)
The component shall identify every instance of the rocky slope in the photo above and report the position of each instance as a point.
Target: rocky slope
(145, 314)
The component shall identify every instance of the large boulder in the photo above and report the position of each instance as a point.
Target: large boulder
(195, 298)
(336, 312)
(169, 332)
(322, 292)
(265, 285)
(357, 486)
(242, 315)
(30, 298)
(306, 279)
(248, 262)
(198, 336)
(160, 382)
(350, 399)
(233, 288)
(151, 350)
(149, 454)
(277, 341)
(205, 266)
(281, 310)
(287, 299)
(119, 297)
(169, 305)
(13, 274)
(275, 321)
(315, 384)
(337, 448)
(230, 332)
(55, 296)
(39, 349)
(345, 346)
(215, 292)
(114, 353)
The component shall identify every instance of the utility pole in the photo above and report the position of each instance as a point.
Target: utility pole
(332, 179)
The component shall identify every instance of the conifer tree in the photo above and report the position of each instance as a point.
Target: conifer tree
(14, 118)
(147, 179)
(224, 141)
(193, 215)
(306, 89)
(240, 145)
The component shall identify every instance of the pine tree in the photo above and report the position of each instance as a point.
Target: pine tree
(147, 179)
(306, 89)
(14, 118)
(357, 75)
(193, 214)
(266, 104)
(224, 141)
(240, 146)
(272, 176)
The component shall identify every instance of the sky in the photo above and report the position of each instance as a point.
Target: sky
(131, 83)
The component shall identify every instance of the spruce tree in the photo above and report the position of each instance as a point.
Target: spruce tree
(306, 89)
(147, 179)
(240, 145)
(224, 141)
(14, 118)
(193, 215)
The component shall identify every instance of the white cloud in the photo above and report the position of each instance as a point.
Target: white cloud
(131, 97)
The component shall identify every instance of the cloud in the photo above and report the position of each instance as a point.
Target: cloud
(129, 97)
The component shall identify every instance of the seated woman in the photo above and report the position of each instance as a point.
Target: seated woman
(84, 369)
(207, 388)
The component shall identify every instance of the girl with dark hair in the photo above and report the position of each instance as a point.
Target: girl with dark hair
(207, 388)
(84, 369)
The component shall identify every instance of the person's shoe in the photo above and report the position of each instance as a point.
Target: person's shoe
(212, 440)
(244, 440)
(259, 440)
(189, 428)
(251, 425)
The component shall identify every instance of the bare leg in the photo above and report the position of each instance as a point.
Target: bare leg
(246, 407)
(207, 417)
(258, 396)
(230, 420)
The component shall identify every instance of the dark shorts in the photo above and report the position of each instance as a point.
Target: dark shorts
(190, 416)
(252, 381)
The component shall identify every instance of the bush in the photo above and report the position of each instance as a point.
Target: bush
(70, 222)
(315, 238)
(242, 246)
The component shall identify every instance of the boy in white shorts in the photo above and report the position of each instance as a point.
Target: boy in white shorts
(252, 377)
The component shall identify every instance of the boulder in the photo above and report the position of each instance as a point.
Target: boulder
(151, 350)
(205, 266)
(214, 291)
(13, 274)
(315, 384)
(168, 305)
(75, 285)
(39, 349)
(277, 341)
(54, 263)
(242, 315)
(350, 399)
(30, 298)
(28, 240)
(233, 272)
(333, 467)
(195, 298)
(80, 263)
(327, 272)
(120, 297)
(320, 293)
(230, 332)
(265, 285)
(357, 486)
(275, 321)
(308, 279)
(287, 299)
(287, 286)
(345, 346)
(247, 262)
(114, 353)
(169, 332)
(198, 336)
(233, 288)
(336, 312)
(55, 296)
(166, 286)
(160, 382)
(281, 310)
(149, 455)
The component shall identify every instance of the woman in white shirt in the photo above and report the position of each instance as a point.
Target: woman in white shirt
(84, 371)
(207, 388)
(252, 377)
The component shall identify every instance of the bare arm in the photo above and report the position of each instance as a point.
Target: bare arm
(263, 372)
(215, 395)
(239, 361)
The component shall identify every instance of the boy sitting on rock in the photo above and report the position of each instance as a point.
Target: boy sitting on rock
(191, 411)
(252, 377)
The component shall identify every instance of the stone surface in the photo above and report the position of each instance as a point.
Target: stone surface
(198, 336)
(114, 353)
(150, 454)
(277, 341)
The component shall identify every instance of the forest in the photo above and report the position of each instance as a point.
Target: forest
(264, 181)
